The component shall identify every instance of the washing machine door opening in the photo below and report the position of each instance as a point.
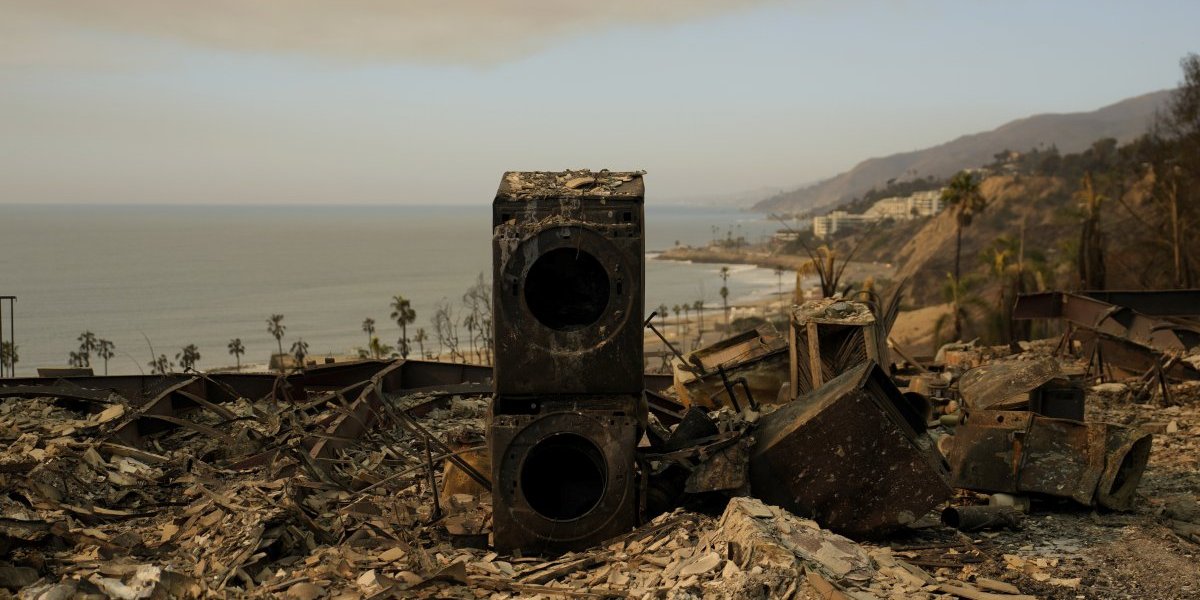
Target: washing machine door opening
(567, 289)
(564, 477)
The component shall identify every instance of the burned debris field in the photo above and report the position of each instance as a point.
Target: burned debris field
(806, 460)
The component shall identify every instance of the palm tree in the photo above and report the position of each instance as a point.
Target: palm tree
(662, 315)
(368, 327)
(676, 309)
(963, 197)
(725, 293)
(237, 350)
(104, 349)
(699, 308)
(420, 337)
(376, 349)
(76, 359)
(959, 295)
(87, 343)
(300, 351)
(1091, 239)
(687, 321)
(160, 365)
(9, 358)
(276, 328)
(188, 356)
(403, 314)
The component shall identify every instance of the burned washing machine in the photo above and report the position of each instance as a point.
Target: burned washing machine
(568, 410)
(568, 257)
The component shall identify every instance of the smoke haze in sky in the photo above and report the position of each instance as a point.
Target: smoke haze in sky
(300, 101)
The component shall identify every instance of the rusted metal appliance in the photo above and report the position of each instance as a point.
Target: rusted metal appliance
(852, 455)
(569, 258)
(569, 409)
(564, 474)
(1036, 385)
(1021, 452)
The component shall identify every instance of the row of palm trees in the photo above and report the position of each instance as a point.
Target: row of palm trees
(89, 343)
(404, 315)
(682, 326)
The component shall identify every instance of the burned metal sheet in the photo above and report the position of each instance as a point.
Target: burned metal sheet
(850, 456)
(1005, 383)
(1163, 323)
(760, 356)
(1019, 452)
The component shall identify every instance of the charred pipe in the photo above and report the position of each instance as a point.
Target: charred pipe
(977, 518)
(650, 323)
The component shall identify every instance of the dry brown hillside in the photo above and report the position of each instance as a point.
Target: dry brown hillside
(924, 249)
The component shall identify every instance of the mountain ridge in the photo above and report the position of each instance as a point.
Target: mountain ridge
(1069, 132)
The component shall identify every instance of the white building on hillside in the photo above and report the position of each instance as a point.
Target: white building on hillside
(898, 208)
(903, 208)
(839, 220)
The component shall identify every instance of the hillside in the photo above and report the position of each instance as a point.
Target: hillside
(1070, 132)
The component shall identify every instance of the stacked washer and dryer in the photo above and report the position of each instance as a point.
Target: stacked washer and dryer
(569, 409)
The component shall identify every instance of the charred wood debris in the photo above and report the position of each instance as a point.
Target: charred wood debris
(816, 462)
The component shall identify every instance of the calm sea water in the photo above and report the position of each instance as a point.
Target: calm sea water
(205, 275)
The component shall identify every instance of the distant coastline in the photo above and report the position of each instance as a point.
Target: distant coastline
(711, 255)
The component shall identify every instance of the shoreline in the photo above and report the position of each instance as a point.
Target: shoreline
(762, 260)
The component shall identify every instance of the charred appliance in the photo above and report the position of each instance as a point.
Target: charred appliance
(568, 266)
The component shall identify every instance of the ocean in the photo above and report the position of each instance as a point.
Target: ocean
(169, 276)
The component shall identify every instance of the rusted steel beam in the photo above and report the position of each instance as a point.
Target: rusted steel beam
(57, 390)
(1155, 303)
(168, 403)
(137, 389)
(1118, 321)
(1129, 339)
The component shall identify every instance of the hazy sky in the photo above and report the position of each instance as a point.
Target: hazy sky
(395, 101)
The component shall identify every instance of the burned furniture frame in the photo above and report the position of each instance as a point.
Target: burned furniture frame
(755, 360)
(827, 338)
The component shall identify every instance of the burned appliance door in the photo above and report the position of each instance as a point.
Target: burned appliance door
(566, 322)
(565, 480)
(568, 266)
